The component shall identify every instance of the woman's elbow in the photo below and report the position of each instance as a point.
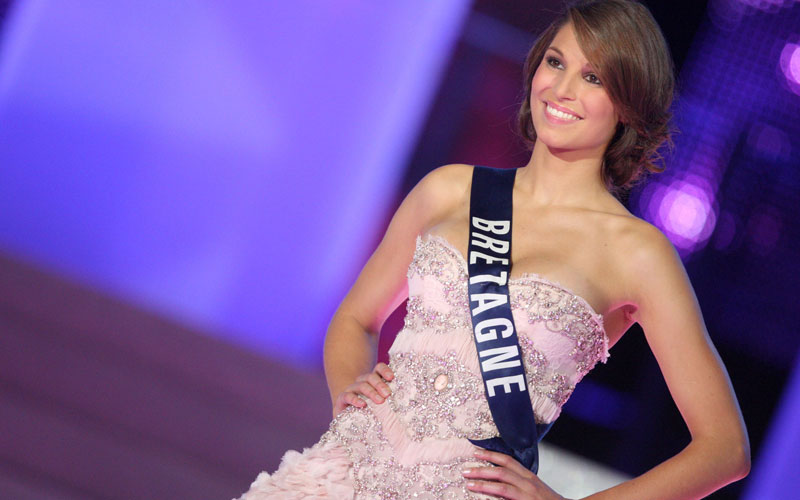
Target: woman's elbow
(731, 454)
(743, 460)
(738, 458)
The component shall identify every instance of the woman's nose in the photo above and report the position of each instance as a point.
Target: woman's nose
(564, 87)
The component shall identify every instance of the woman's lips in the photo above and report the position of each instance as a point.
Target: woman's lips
(557, 119)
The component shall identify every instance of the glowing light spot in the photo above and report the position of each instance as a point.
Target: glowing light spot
(683, 213)
(686, 212)
(725, 14)
(768, 141)
(767, 5)
(790, 65)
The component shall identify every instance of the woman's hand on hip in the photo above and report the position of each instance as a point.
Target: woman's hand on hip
(371, 385)
(508, 480)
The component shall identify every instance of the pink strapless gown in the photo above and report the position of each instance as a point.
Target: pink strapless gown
(415, 445)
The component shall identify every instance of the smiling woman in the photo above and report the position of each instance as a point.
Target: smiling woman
(598, 85)
(570, 108)
(634, 72)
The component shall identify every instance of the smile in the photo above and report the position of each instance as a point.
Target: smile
(560, 114)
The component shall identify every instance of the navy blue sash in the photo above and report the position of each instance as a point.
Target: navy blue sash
(499, 355)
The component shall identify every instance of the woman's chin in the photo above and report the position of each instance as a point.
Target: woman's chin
(558, 147)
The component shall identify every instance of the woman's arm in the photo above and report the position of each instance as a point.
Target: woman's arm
(669, 314)
(352, 336)
(719, 452)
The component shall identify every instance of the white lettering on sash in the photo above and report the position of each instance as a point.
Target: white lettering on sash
(488, 329)
(487, 301)
(506, 383)
(494, 226)
(474, 256)
(485, 330)
(500, 354)
(483, 278)
(489, 243)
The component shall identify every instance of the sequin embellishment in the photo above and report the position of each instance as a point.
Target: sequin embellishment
(458, 409)
(377, 473)
(437, 393)
(543, 301)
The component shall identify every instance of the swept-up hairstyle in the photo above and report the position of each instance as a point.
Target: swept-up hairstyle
(626, 47)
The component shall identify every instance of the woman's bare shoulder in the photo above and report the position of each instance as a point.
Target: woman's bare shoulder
(446, 186)
(641, 250)
(453, 176)
(636, 233)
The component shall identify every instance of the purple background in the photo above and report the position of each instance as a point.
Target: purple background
(188, 189)
(227, 164)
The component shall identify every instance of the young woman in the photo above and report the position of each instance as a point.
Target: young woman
(599, 82)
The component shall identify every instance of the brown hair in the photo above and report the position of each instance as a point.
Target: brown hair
(624, 44)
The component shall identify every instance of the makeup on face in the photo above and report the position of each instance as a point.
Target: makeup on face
(559, 115)
(567, 95)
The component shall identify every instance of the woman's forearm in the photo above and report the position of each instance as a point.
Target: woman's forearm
(698, 470)
(349, 351)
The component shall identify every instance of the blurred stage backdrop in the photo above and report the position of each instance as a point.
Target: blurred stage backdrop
(189, 188)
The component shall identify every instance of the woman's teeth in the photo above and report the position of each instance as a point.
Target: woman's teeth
(561, 114)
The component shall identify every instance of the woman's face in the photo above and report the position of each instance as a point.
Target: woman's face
(565, 81)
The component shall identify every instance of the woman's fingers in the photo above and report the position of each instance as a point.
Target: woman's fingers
(346, 399)
(353, 399)
(384, 371)
(371, 385)
(504, 460)
(507, 479)
(367, 389)
(377, 382)
(501, 490)
(350, 397)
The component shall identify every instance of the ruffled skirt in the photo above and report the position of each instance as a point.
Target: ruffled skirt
(323, 471)
(365, 455)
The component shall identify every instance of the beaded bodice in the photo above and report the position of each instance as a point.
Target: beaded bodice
(437, 392)
(560, 335)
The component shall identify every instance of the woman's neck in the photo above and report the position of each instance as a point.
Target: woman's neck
(568, 178)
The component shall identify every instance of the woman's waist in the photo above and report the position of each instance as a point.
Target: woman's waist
(432, 388)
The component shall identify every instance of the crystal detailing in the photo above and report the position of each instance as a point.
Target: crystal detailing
(459, 409)
(437, 393)
(377, 473)
(562, 313)
(385, 479)
(433, 260)
(543, 301)
(553, 386)
(420, 317)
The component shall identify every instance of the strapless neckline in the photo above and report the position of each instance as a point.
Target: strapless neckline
(529, 276)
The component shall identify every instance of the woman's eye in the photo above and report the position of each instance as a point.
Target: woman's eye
(593, 78)
(555, 63)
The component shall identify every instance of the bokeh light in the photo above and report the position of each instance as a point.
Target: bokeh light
(771, 6)
(685, 211)
(790, 65)
(769, 141)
